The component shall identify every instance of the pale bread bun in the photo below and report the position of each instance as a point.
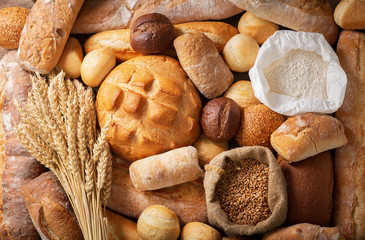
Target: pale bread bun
(208, 149)
(198, 230)
(96, 66)
(258, 28)
(71, 58)
(349, 14)
(240, 52)
(242, 93)
(12, 20)
(152, 105)
(158, 222)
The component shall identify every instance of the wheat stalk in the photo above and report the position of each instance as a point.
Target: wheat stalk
(59, 129)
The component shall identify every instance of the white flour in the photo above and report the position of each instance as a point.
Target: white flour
(300, 74)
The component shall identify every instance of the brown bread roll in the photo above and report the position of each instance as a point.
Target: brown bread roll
(45, 33)
(349, 14)
(349, 195)
(12, 20)
(300, 15)
(306, 135)
(200, 59)
(242, 93)
(258, 122)
(208, 149)
(18, 166)
(198, 230)
(71, 58)
(154, 91)
(305, 231)
(310, 187)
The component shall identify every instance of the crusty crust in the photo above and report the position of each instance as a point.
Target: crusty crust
(204, 65)
(349, 197)
(306, 135)
(300, 15)
(119, 14)
(349, 14)
(46, 32)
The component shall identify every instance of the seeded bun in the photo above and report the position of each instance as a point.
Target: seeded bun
(258, 122)
(12, 20)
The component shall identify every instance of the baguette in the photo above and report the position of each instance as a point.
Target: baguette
(300, 15)
(349, 197)
(349, 14)
(166, 169)
(186, 200)
(45, 33)
(304, 231)
(102, 15)
(118, 41)
(306, 135)
(19, 165)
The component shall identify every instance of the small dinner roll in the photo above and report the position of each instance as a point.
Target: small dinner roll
(242, 93)
(199, 231)
(258, 28)
(240, 52)
(71, 58)
(158, 222)
(208, 149)
(96, 66)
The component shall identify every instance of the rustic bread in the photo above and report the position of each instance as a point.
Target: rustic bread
(187, 200)
(306, 135)
(310, 187)
(305, 231)
(19, 165)
(204, 65)
(152, 105)
(50, 209)
(119, 14)
(349, 194)
(300, 15)
(349, 14)
(45, 33)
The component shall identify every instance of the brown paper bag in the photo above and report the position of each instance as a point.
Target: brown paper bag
(277, 193)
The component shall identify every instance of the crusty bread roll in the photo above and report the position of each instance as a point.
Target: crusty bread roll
(349, 14)
(121, 228)
(199, 231)
(300, 15)
(349, 194)
(71, 58)
(50, 209)
(208, 149)
(310, 187)
(306, 135)
(200, 59)
(218, 32)
(187, 200)
(305, 231)
(242, 93)
(45, 33)
(19, 166)
(152, 105)
(166, 169)
(119, 14)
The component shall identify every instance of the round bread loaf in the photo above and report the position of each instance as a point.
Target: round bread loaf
(310, 187)
(152, 105)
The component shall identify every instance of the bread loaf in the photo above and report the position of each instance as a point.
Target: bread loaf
(45, 33)
(349, 194)
(153, 106)
(306, 135)
(305, 231)
(310, 187)
(166, 169)
(186, 200)
(119, 14)
(300, 15)
(200, 59)
(349, 14)
(19, 166)
(50, 209)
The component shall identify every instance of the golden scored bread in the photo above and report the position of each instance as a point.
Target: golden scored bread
(349, 14)
(46, 32)
(152, 105)
(349, 193)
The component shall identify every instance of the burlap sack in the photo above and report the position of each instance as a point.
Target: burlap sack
(277, 193)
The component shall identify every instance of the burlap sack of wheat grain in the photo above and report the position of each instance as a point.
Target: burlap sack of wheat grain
(277, 192)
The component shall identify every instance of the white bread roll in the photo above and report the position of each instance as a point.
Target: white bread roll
(167, 169)
(71, 58)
